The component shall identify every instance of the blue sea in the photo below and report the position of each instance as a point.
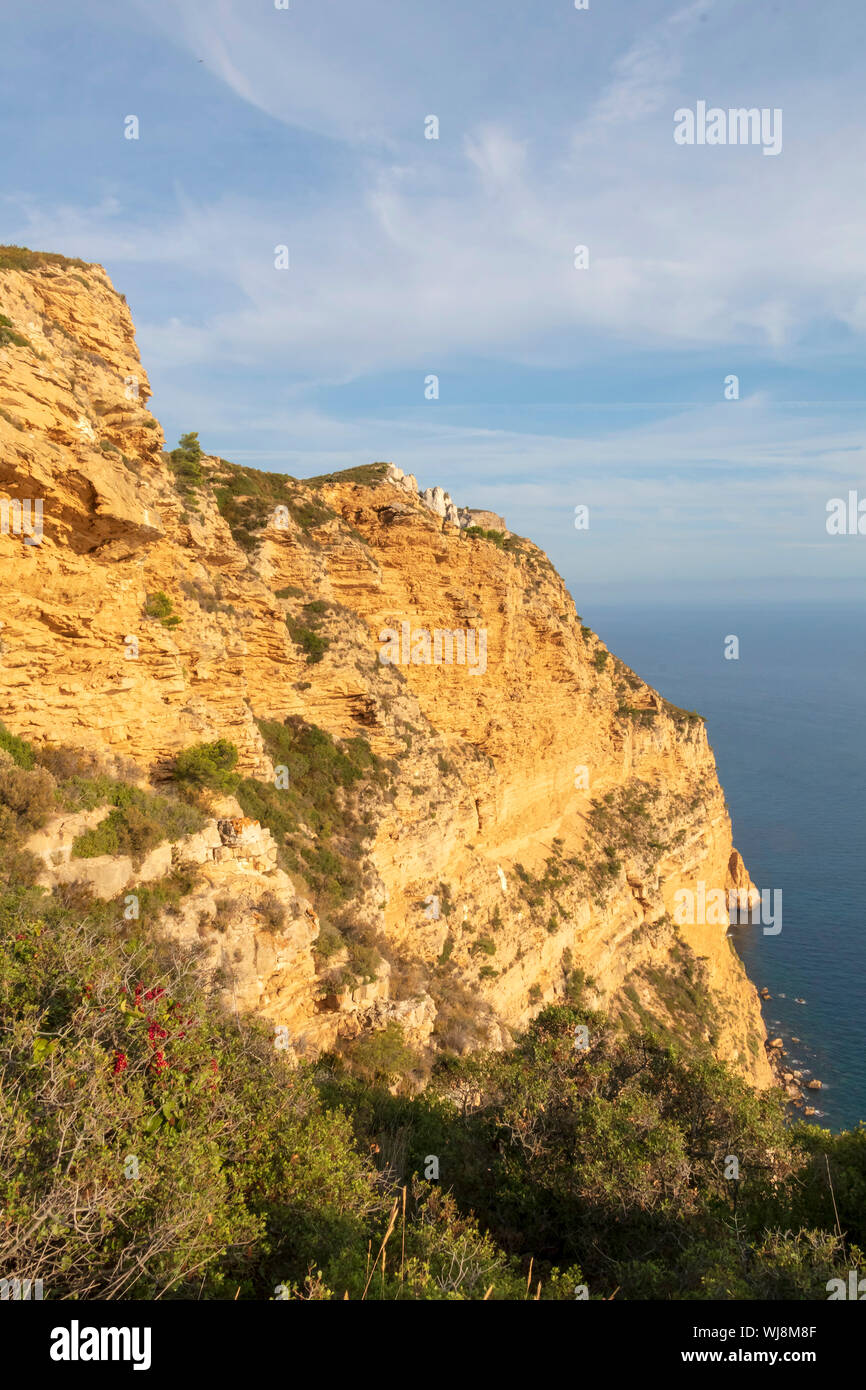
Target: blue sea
(787, 723)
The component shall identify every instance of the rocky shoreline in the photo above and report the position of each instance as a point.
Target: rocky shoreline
(791, 1080)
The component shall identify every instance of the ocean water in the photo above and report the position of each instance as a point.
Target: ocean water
(787, 723)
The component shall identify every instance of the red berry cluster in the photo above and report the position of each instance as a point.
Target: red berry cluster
(156, 1033)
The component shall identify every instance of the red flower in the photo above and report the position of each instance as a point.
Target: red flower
(119, 1063)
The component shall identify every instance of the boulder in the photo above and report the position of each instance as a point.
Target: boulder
(156, 865)
(105, 875)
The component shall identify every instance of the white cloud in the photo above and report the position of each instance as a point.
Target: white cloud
(431, 251)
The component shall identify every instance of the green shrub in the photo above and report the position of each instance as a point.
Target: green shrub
(8, 334)
(22, 258)
(18, 749)
(29, 795)
(366, 473)
(159, 605)
(321, 778)
(185, 464)
(383, 1056)
(138, 822)
(308, 640)
(111, 1046)
(247, 499)
(208, 765)
(479, 533)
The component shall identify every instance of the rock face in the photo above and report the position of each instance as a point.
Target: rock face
(549, 805)
(474, 516)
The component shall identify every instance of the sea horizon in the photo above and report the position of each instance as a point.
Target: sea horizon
(775, 717)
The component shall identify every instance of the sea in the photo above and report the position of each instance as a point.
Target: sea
(786, 719)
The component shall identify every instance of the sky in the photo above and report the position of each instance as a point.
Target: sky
(602, 385)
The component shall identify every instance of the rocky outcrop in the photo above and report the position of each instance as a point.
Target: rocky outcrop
(546, 809)
(475, 516)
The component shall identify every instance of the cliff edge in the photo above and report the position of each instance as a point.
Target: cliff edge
(522, 809)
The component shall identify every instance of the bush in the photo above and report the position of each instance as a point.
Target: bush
(18, 749)
(22, 258)
(308, 640)
(77, 764)
(159, 606)
(138, 823)
(272, 911)
(247, 499)
(479, 533)
(603, 1166)
(8, 334)
(207, 765)
(28, 795)
(383, 1056)
(113, 1050)
(321, 776)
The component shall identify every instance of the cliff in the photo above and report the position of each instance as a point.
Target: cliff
(530, 811)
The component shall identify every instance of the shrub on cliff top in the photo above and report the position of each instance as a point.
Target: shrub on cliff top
(185, 464)
(22, 258)
(247, 498)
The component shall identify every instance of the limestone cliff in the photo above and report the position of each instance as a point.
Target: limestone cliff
(542, 805)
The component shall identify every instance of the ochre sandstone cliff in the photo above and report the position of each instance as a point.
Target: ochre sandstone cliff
(543, 806)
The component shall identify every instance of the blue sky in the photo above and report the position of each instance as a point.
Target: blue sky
(305, 127)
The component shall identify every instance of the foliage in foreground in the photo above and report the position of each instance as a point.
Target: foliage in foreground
(150, 1146)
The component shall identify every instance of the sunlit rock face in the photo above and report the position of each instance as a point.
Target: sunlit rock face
(497, 867)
